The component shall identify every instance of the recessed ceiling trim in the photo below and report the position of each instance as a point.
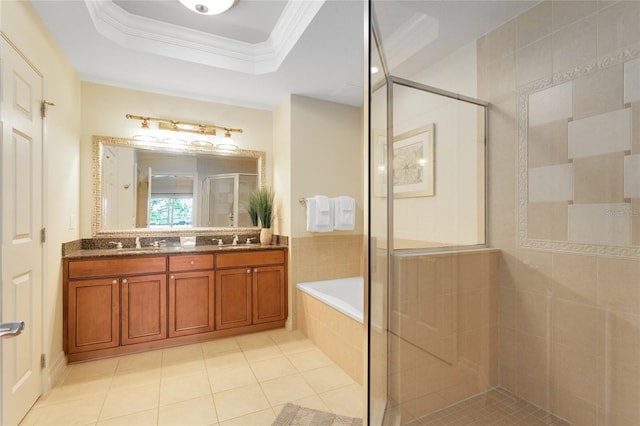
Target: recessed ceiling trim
(151, 36)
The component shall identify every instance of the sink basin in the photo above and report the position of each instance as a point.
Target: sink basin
(236, 247)
(147, 250)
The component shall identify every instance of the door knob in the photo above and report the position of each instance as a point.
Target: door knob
(11, 329)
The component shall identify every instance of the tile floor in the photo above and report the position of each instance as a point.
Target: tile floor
(242, 380)
(496, 407)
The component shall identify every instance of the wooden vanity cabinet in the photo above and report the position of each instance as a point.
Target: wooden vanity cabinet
(250, 288)
(93, 315)
(144, 308)
(191, 295)
(269, 294)
(233, 298)
(115, 305)
(114, 301)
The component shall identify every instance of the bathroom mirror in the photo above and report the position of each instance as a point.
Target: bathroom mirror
(145, 187)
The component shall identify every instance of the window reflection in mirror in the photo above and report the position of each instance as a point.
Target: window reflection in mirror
(168, 187)
(171, 201)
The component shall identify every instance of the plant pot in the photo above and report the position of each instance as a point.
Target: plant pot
(265, 236)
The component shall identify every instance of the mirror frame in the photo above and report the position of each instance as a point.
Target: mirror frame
(96, 173)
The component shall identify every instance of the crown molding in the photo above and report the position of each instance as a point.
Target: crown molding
(161, 38)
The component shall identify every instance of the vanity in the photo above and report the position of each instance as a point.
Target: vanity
(120, 302)
(136, 285)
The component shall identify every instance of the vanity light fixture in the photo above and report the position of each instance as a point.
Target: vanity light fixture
(145, 133)
(202, 130)
(209, 7)
(227, 143)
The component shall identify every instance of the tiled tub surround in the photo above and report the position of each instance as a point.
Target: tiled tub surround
(562, 80)
(323, 257)
(443, 329)
(339, 336)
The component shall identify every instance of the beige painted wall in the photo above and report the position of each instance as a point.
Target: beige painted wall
(326, 157)
(103, 113)
(282, 166)
(21, 24)
(319, 152)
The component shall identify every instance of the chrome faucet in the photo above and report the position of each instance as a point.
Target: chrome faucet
(235, 240)
(118, 244)
(219, 240)
(249, 240)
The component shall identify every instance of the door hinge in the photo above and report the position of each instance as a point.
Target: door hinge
(43, 235)
(43, 361)
(43, 108)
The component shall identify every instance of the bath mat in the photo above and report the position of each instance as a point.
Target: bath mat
(295, 415)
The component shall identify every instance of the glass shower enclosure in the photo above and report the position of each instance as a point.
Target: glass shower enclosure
(427, 209)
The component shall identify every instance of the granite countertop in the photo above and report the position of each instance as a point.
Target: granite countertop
(228, 248)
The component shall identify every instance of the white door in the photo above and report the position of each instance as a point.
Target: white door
(21, 184)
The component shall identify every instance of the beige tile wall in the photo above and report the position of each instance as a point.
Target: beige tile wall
(569, 323)
(323, 258)
(443, 329)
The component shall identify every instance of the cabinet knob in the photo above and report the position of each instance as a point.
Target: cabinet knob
(173, 277)
(125, 281)
(255, 270)
(193, 262)
(248, 270)
(114, 282)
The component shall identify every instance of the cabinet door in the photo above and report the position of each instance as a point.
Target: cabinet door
(191, 303)
(269, 294)
(144, 308)
(93, 315)
(233, 298)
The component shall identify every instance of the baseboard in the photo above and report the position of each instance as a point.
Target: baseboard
(57, 369)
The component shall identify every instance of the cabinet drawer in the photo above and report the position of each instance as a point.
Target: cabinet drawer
(116, 267)
(192, 262)
(251, 258)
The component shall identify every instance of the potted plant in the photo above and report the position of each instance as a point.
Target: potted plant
(261, 202)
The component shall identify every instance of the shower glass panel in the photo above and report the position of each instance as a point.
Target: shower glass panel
(427, 206)
(438, 170)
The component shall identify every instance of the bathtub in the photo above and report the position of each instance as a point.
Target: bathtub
(330, 314)
(342, 294)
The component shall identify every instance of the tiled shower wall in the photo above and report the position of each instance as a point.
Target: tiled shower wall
(563, 205)
(442, 329)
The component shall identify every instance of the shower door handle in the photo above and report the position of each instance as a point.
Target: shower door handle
(11, 329)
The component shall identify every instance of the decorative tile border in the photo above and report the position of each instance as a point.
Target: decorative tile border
(523, 113)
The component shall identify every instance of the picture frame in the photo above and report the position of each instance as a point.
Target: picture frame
(413, 163)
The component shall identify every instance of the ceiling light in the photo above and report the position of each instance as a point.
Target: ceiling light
(374, 70)
(209, 7)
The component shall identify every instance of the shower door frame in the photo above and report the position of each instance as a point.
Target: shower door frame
(389, 81)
